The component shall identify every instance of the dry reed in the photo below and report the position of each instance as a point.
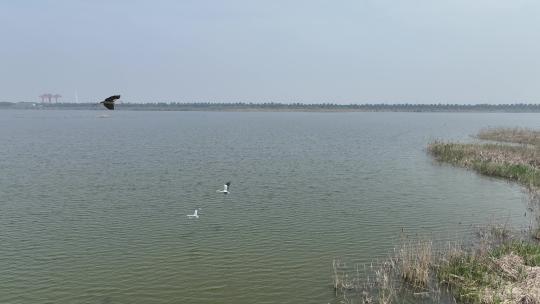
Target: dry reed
(414, 261)
(511, 135)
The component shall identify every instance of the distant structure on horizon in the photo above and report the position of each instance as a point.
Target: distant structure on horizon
(49, 97)
(56, 96)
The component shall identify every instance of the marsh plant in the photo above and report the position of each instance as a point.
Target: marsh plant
(511, 135)
(497, 268)
(414, 260)
(506, 273)
(500, 266)
(405, 273)
(517, 163)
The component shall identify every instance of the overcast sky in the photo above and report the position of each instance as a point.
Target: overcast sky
(359, 51)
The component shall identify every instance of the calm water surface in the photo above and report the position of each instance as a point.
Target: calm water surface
(93, 210)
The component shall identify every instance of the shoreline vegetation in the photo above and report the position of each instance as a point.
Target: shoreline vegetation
(499, 266)
(283, 107)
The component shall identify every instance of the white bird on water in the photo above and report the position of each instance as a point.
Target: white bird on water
(194, 215)
(225, 188)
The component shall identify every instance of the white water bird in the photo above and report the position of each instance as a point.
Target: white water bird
(194, 215)
(225, 188)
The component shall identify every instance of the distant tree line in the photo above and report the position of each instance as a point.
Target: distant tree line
(273, 106)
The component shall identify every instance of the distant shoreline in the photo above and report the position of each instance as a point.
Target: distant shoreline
(283, 107)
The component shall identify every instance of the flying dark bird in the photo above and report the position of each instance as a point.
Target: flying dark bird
(109, 102)
(225, 188)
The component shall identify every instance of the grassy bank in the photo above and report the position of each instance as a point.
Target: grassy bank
(497, 268)
(511, 135)
(516, 163)
(504, 272)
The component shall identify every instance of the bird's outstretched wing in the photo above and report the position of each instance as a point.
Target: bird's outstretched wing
(112, 98)
(109, 105)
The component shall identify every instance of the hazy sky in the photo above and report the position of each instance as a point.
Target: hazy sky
(416, 51)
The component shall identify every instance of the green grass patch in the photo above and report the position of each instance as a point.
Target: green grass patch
(513, 163)
(470, 275)
(528, 251)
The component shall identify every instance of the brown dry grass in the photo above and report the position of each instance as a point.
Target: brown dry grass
(511, 135)
(414, 260)
(523, 285)
(468, 154)
(518, 163)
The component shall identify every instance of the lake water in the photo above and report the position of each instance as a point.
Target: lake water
(93, 210)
